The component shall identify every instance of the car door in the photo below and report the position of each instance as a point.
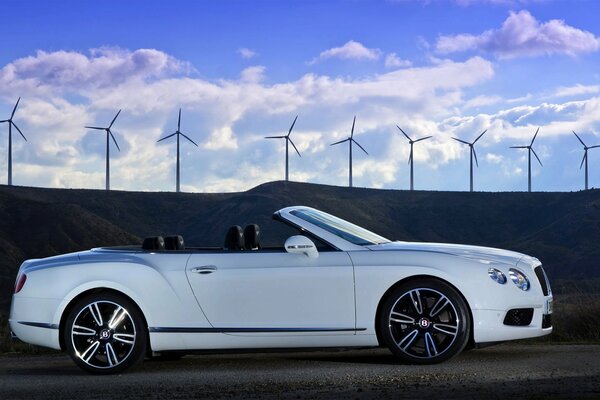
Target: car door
(274, 291)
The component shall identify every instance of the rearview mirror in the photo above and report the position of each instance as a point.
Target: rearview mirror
(301, 245)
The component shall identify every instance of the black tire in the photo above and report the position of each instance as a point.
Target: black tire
(425, 321)
(105, 333)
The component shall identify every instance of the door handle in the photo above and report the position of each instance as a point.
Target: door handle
(205, 269)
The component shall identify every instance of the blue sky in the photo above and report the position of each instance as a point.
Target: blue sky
(242, 70)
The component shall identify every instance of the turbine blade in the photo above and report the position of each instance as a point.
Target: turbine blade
(536, 156)
(592, 147)
(409, 139)
(166, 137)
(462, 141)
(179, 121)
(4, 120)
(113, 121)
(15, 125)
(294, 146)
(475, 154)
(292, 127)
(360, 146)
(275, 137)
(410, 156)
(519, 147)
(479, 137)
(534, 136)
(95, 127)
(423, 138)
(15, 109)
(579, 138)
(583, 159)
(114, 140)
(352, 131)
(188, 138)
(341, 141)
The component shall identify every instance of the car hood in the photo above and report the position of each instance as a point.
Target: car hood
(482, 254)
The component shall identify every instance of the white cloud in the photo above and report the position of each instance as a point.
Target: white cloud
(253, 74)
(393, 61)
(69, 70)
(576, 90)
(482, 101)
(246, 52)
(522, 35)
(352, 50)
(494, 158)
(227, 118)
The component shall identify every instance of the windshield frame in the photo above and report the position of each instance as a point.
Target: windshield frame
(339, 227)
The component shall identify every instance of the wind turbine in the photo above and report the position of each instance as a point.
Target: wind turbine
(530, 150)
(288, 140)
(178, 133)
(410, 157)
(10, 125)
(473, 154)
(585, 158)
(109, 134)
(350, 140)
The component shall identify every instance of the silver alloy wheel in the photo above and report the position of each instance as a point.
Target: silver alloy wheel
(423, 323)
(103, 334)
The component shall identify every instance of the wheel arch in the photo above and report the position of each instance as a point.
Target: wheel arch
(391, 289)
(96, 290)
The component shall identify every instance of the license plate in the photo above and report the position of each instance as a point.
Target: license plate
(549, 306)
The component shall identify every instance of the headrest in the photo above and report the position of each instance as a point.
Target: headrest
(234, 240)
(174, 243)
(252, 237)
(154, 243)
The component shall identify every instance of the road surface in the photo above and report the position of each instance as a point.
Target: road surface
(512, 370)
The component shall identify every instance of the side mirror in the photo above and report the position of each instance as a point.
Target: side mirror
(301, 245)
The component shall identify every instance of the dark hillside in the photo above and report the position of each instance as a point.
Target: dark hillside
(562, 229)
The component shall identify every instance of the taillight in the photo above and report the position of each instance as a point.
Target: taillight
(20, 283)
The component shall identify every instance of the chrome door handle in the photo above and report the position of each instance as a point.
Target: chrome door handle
(205, 269)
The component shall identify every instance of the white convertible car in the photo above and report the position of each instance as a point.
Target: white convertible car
(332, 284)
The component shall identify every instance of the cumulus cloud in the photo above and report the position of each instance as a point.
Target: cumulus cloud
(352, 50)
(228, 118)
(393, 61)
(522, 35)
(70, 70)
(246, 53)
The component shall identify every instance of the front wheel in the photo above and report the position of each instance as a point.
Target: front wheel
(425, 321)
(105, 334)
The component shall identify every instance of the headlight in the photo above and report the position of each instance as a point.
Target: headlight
(497, 275)
(519, 279)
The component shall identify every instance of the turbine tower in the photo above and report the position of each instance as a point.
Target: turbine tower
(350, 140)
(473, 154)
(178, 133)
(10, 125)
(529, 151)
(109, 134)
(288, 140)
(411, 161)
(585, 158)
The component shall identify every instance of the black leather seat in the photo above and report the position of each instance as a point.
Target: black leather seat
(154, 243)
(252, 237)
(174, 243)
(234, 240)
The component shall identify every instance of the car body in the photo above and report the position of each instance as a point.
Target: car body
(333, 284)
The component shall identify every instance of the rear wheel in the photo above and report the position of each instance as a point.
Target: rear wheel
(425, 321)
(105, 333)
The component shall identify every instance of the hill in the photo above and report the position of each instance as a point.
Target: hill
(561, 229)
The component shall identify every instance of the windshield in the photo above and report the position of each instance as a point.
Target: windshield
(344, 229)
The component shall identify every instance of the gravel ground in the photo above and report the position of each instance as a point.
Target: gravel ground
(504, 371)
